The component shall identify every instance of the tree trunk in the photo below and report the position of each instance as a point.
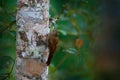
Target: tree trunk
(32, 40)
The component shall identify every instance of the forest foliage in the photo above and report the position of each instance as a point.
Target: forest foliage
(73, 59)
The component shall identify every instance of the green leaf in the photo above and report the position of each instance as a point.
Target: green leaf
(71, 51)
(63, 32)
(6, 63)
(51, 68)
(12, 33)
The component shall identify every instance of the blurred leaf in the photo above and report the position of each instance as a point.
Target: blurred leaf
(0, 9)
(6, 63)
(12, 33)
(63, 32)
(71, 51)
(79, 43)
(51, 68)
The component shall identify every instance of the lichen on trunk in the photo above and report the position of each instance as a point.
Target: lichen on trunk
(32, 40)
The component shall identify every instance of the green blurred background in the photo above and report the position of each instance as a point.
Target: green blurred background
(77, 26)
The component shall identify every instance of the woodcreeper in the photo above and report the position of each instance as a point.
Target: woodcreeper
(52, 41)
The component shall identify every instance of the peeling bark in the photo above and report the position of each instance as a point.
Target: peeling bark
(32, 40)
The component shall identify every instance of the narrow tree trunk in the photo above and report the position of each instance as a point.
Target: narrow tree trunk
(32, 38)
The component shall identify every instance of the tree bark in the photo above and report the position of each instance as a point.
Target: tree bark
(32, 40)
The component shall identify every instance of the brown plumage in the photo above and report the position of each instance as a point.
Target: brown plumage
(52, 44)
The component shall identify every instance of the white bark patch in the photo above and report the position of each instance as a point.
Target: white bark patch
(41, 29)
